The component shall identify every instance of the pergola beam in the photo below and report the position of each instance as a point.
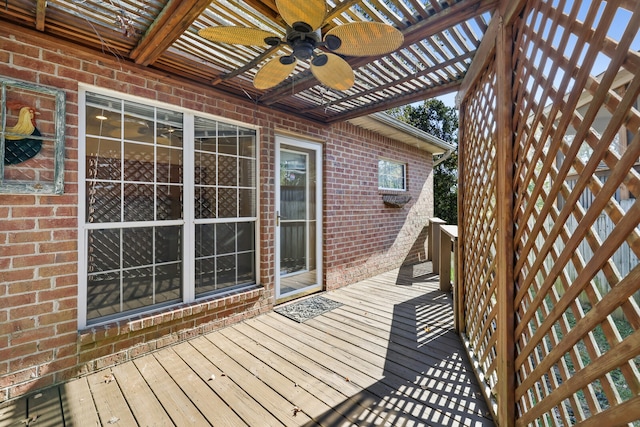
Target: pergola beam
(267, 8)
(398, 101)
(391, 85)
(41, 8)
(172, 22)
(248, 66)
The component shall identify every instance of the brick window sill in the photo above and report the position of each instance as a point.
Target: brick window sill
(182, 321)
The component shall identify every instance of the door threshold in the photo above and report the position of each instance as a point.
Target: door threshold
(287, 298)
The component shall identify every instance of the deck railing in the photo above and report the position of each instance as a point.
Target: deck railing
(449, 270)
(442, 250)
(553, 95)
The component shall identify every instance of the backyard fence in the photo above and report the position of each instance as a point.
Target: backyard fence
(624, 259)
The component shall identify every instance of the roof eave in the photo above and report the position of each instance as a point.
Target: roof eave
(387, 125)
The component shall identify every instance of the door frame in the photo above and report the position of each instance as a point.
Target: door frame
(318, 149)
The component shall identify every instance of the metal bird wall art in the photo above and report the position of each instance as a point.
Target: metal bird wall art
(19, 144)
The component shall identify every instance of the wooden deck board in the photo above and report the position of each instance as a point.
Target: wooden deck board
(110, 403)
(240, 346)
(143, 402)
(397, 366)
(403, 362)
(424, 316)
(326, 354)
(214, 409)
(178, 405)
(306, 373)
(249, 411)
(247, 378)
(356, 365)
(377, 325)
(388, 356)
(78, 408)
(361, 403)
(44, 408)
(13, 413)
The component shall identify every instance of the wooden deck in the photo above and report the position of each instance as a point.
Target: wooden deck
(387, 356)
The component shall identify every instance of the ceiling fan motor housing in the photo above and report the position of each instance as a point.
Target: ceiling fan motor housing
(303, 43)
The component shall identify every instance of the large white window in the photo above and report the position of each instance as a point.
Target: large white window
(170, 207)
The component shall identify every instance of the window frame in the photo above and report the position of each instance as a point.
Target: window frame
(188, 221)
(404, 174)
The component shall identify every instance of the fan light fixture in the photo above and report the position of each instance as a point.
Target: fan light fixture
(303, 36)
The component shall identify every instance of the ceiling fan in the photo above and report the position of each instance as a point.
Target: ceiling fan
(304, 20)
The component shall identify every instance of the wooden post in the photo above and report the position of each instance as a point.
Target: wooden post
(457, 290)
(460, 297)
(434, 243)
(445, 261)
(449, 243)
(505, 247)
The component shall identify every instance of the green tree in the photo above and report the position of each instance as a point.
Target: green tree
(434, 117)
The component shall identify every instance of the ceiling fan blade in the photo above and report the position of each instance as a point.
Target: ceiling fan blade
(311, 12)
(335, 73)
(273, 72)
(237, 35)
(365, 38)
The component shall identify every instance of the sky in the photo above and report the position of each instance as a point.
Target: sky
(448, 99)
(619, 25)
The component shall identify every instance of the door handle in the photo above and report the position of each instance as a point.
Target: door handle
(277, 218)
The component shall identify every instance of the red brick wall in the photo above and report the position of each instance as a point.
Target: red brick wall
(363, 237)
(39, 340)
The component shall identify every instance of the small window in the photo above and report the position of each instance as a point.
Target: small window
(391, 175)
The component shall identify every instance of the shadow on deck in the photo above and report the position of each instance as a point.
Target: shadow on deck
(387, 356)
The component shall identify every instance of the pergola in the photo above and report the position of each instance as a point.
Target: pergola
(440, 39)
(548, 177)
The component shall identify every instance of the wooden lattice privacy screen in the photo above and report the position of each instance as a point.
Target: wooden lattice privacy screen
(549, 252)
